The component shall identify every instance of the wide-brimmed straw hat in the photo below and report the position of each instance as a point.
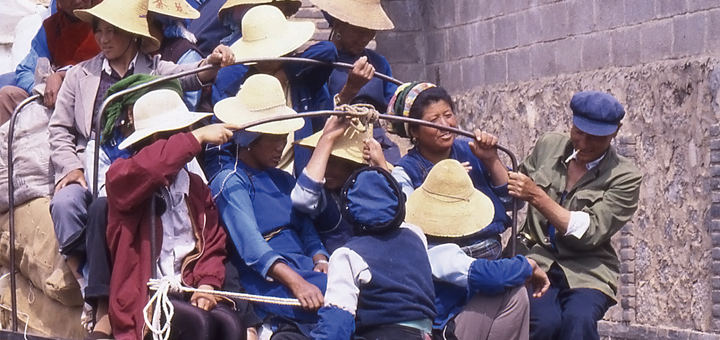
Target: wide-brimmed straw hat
(267, 34)
(447, 204)
(157, 111)
(127, 15)
(296, 4)
(349, 146)
(361, 13)
(260, 97)
(173, 8)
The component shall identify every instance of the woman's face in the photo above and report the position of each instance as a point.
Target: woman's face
(113, 41)
(353, 39)
(266, 151)
(337, 172)
(432, 139)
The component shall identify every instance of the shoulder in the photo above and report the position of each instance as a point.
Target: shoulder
(90, 66)
(622, 168)
(551, 145)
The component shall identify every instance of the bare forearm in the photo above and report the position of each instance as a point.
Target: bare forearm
(498, 172)
(284, 274)
(556, 215)
(318, 162)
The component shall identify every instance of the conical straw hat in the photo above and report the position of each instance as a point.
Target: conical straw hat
(261, 96)
(150, 118)
(173, 8)
(361, 13)
(127, 15)
(447, 204)
(296, 4)
(349, 146)
(267, 34)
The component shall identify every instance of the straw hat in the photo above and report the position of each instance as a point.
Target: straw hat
(361, 13)
(349, 146)
(232, 3)
(173, 8)
(151, 118)
(127, 15)
(447, 204)
(267, 34)
(261, 96)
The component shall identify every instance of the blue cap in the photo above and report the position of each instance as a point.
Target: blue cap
(245, 138)
(596, 113)
(373, 202)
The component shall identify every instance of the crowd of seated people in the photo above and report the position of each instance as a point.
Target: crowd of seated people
(371, 244)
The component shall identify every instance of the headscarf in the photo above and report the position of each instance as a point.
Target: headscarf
(372, 201)
(401, 103)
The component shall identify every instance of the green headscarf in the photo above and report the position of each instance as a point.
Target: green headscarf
(115, 109)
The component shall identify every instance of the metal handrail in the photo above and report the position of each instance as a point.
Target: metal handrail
(11, 205)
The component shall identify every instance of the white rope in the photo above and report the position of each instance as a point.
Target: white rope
(162, 306)
(155, 284)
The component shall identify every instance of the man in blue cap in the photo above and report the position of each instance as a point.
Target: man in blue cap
(580, 193)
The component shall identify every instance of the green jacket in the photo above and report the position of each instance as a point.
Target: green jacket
(609, 193)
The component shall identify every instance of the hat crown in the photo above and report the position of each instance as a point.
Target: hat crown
(145, 110)
(449, 179)
(262, 22)
(261, 92)
(597, 106)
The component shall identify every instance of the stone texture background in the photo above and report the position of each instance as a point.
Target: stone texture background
(513, 65)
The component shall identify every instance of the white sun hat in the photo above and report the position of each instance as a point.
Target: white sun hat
(361, 13)
(266, 33)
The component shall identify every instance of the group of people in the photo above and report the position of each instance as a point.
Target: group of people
(372, 245)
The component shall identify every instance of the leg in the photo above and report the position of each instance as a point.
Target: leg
(10, 97)
(229, 324)
(392, 332)
(502, 316)
(69, 211)
(98, 264)
(288, 331)
(582, 308)
(191, 323)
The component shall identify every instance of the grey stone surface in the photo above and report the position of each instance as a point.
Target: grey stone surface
(496, 68)
(404, 14)
(542, 60)
(568, 55)
(656, 40)
(518, 64)
(554, 21)
(689, 34)
(595, 51)
(637, 11)
(581, 17)
(482, 37)
(530, 27)
(667, 8)
(713, 25)
(610, 13)
(506, 32)
(625, 47)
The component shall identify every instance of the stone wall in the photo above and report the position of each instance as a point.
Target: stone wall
(513, 65)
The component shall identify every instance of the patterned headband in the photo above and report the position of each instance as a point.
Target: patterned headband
(402, 101)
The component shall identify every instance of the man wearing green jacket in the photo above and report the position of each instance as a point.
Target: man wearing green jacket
(580, 193)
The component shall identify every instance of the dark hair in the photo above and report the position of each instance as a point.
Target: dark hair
(427, 97)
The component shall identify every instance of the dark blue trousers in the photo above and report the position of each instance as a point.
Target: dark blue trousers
(567, 314)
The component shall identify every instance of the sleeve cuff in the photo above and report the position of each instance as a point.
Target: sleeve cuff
(308, 183)
(579, 224)
(266, 261)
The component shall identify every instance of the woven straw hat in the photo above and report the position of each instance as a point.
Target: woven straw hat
(173, 8)
(232, 3)
(447, 204)
(261, 96)
(127, 15)
(150, 118)
(361, 13)
(267, 34)
(349, 146)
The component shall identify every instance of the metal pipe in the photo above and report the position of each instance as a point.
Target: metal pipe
(11, 206)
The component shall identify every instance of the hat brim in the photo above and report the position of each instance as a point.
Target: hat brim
(110, 16)
(594, 128)
(231, 110)
(297, 33)
(182, 119)
(448, 217)
(232, 3)
(370, 16)
(344, 147)
(186, 11)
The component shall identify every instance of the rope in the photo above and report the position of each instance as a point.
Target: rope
(364, 114)
(163, 306)
(155, 284)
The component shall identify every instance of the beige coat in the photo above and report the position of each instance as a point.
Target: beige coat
(71, 122)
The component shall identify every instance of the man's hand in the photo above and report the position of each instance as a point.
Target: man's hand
(483, 147)
(310, 296)
(75, 176)
(221, 55)
(52, 87)
(361, 73)
(335, 127)
(217, 134)
(521, 186)
(539, 279)
(373, 153)
(321, 263)
(203, 300)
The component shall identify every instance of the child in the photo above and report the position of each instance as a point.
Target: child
(379, 283)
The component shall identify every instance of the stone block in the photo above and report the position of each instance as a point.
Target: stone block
(715, 253)
(473, 72)
(715, 266)
(409, 72)
(716, 195)
(713, 26)
(628, 302)
(627, 254)
(459, 42)
(627, 267)
(628, 291)
(715, 211)
(628, 315)
(405, 15)
(668, 8)
(627, 278)
(483, 37)
(471, 11)
(506, 32)
(625, 47)
(554, 21)
(689, 34)
(568, 55)
(401, 47)
(496, 68)
(437, 47)
(542, 60)
(595, 51)
(529, 27)
(637, 11)
(518, 64)
(716, 296)
(714, 143)
(714, 225)
(714, 157)
(716, 282)
(610, 13)
(655, 41)
(581, 17)
(715, 238)
(450, 76)
(698, 5)
(441, 14)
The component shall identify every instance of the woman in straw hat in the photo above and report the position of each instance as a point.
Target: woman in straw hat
(427, 102)
(267, 34)
(339, 150)
(277, 250)
(192, 250)
(475, 298)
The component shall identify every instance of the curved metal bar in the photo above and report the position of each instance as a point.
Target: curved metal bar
(11, 206)
(408, 120)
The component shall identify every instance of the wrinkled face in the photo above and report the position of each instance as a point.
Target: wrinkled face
(590, 147)
(353, 39)
(337, 172)
(113, 41)
(432, 139)
(267, 150)
(68, 6)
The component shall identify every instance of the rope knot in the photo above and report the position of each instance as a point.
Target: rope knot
(364, 114)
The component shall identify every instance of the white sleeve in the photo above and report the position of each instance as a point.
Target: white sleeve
(450, 264)
(404, 180)
(417, 232)
(579, 224)
(346, 272)
(194, 167)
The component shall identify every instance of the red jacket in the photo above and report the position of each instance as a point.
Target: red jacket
(130, 185)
